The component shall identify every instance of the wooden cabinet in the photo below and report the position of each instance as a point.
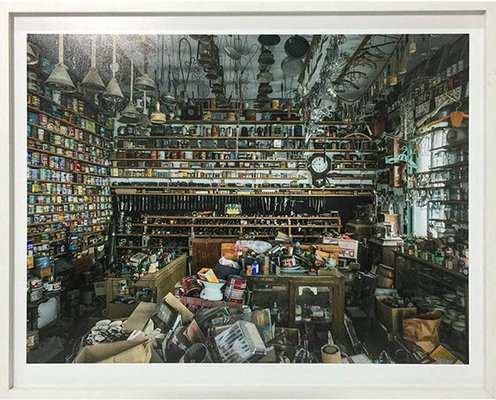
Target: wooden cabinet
(294, 293)
(382, 250)
(431, 286)
(160, 283)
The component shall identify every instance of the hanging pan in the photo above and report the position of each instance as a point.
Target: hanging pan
(269, 40)
(292, 67)
(296, 46)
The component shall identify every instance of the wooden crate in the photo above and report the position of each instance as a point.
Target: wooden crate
(161, 282)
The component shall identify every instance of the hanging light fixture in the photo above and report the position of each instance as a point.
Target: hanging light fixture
(402, 65)
(59, 79)
(32, 54)
(392, 76)
(144, 122)
(157, 117)
(113, 91)
(144, 82)
(130, 110)
(412, 46)
(92, 81)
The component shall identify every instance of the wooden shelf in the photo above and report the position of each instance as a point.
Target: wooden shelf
(240, 217)
(69, 109)
(248, 138)
(236, 160)
(64, 183)
(65, 156)
(65, 194)
(67, 137)
(66, 222)
(69, 212)
(68, 170)
(233, 226)
(246, 150)
(34, 109)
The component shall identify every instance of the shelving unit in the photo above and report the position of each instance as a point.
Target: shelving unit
(69, 140)
(186, 228)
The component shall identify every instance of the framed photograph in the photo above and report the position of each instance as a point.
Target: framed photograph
(285, 191)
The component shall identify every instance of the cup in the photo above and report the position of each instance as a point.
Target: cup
(330, 354)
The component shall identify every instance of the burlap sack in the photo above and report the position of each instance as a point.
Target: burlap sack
(423, 330)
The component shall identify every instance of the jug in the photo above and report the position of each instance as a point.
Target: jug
(212, 290)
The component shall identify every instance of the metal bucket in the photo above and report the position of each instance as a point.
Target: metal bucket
(197, 353)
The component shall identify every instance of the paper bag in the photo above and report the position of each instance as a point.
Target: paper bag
(423, 330)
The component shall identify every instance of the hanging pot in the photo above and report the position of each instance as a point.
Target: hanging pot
(217, 88)
(213, 73)
(292, 67)
(264, 88)
(265, 77)
(269, 40)
(266, 58)
(296, 46)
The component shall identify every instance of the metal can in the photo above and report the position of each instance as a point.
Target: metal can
(235, 289)
(190, 285)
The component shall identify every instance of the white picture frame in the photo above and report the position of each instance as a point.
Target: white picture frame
(248, 380)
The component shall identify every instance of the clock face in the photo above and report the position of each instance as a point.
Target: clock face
(320, 164)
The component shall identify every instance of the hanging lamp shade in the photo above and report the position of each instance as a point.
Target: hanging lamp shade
(59, 79)
(402, 67)
(157, 117)
(31, 54)
(113, 91)
(412, 45)
(92, 82)
(145, 83)
(130, 110)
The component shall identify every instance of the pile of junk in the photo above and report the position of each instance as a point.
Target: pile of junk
(169, 332)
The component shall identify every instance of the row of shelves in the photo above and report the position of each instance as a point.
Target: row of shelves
(55, 141)
(72, 111)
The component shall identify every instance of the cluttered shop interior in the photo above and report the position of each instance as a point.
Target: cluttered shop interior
(243, 198)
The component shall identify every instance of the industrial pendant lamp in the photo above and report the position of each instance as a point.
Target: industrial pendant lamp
(144, 122)
(392, 77)
(31, 54)
(144, 82)
(412, 46)
(59, 79)
(113, 91)
(157, 117)
(130, 110)
(92, 81)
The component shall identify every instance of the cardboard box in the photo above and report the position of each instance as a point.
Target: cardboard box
(121, 352)
(227, 251)
(392, 318)
(175, 303)
(120, 310)
(140, 317)
(207, 274)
